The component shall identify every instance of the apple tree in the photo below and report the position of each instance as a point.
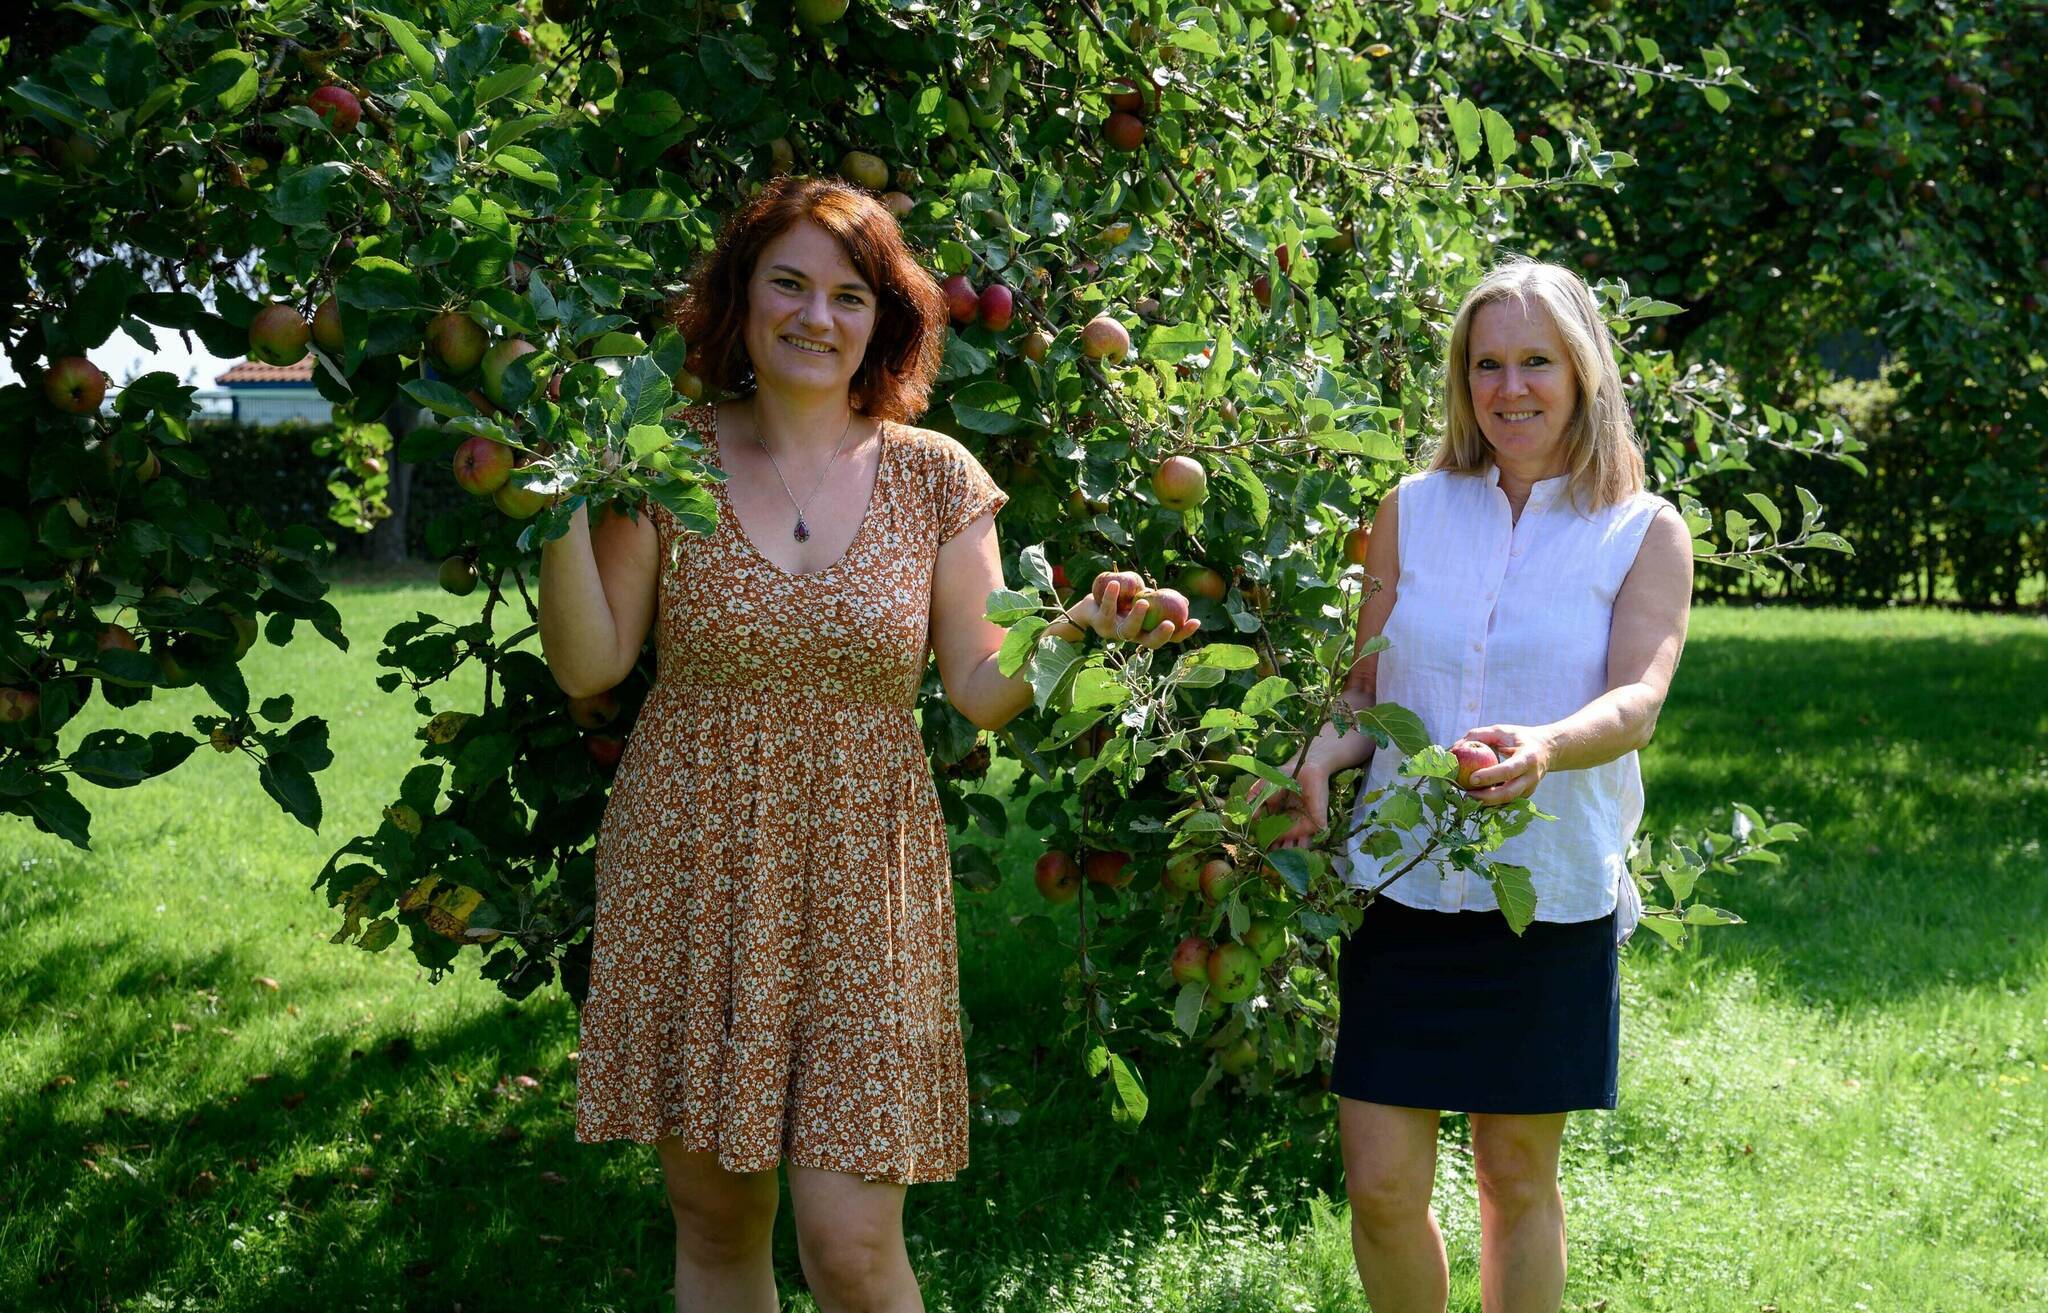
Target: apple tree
(1202, 261)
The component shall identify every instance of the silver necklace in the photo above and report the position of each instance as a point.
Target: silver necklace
(802, 532)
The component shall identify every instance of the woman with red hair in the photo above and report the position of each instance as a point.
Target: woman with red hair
(773, 976)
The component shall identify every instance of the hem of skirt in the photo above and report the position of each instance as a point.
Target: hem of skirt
(919, 1175)
(1485, 1107)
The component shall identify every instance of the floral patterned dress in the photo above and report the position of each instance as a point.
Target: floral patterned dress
(774, 969)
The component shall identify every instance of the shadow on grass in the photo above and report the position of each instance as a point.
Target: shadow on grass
(1918, 768)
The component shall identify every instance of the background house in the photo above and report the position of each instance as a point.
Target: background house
(272, 394)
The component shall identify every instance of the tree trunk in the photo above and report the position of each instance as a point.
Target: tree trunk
(387, 545)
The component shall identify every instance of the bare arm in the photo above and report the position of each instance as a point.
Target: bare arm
(597, 600)
(1650, 616)
(966, 643)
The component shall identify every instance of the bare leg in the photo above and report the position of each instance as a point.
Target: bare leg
(849, 1236)
(1389, 1172)
(1521, 1214)
(725, 1223)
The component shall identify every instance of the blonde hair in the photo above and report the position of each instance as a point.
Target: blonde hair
(1602, 457)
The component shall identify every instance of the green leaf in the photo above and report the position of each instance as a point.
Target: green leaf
(1267, 694)
(988, 406)
(1019, 644)
(1500, 137)
(438, 397)
(1229, 656)
(1270, 774)
(528, 165)
(1056, 662)
(302, 197)
(1715, 97)
(291, 785)
(1177, 342)
(1764, 508)
(1401, 726)
(1131, 1104)
(1515, 891)
(409, 41)
(58, 812)
(375, 283)
(1297, 866)
(1464, 117)
(97, 307)
(1187, 1007)
(504, 82)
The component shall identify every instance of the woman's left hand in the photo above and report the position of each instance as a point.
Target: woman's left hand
(1114, 619)
(1524, 752)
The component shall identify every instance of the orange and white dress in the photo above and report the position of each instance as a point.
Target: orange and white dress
(774, 968)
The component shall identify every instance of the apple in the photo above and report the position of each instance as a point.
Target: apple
(327, 326)
(1262, 292)
(456, 341)
(75, 385)
(184, 193)
(898, 203)
(817, 13)
(457, 576)
(1266, 938)
(604, 749)
(116, 636)
(1180, 483)
(1057, 876)
(174, 660)
(781, 157)
(1284, 257)
(997, 306)
(1233, 973)
(520, 503)
(495, 362)
(1111, 869)
(1183, 873)
(19, 704)
(1035, 345)
(864, 170)
(1191, 961)
(962, 301)
(1356, 542)
(1104, 338)
(278, 335)
(1164, 604)
(1059, 578)
(482, 466)
(1124, 130)
(73, 154)
(338, 106)
(1130, 99)
(1238, 1057)
(686, 385)
(1216, 879)
(1201, 581)
(1472, 756)
(1128, 586)
(595, 711)
(245, 628)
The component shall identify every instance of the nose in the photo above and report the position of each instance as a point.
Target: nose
(815, 313)
(1512, 383)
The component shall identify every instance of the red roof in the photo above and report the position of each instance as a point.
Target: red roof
(252, 371)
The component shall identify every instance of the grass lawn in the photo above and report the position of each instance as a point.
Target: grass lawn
(1842, 1105)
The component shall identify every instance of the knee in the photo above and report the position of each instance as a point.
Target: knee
(1515, 1183)
(1387, 1197)
(720, 1228)
(849, 1266)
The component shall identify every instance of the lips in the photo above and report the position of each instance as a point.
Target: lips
(1516, 416)
(809, 348)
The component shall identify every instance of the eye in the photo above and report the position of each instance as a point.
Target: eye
(1486, 363)
(784, 282)
(1539, 360)
(852, 298)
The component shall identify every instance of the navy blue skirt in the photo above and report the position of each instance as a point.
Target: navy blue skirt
(1453, 1011)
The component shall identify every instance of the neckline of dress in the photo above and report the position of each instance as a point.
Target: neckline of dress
(739, 527)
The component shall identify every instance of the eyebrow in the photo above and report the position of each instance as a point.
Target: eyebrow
(855, 285)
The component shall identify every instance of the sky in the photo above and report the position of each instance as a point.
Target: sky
(122, 358)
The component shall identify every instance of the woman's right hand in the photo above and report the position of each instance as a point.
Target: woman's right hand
(1309, 805)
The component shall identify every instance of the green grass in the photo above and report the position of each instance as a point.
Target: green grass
(1842, 1105)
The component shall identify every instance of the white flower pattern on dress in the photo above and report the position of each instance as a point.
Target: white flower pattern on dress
(774, 968)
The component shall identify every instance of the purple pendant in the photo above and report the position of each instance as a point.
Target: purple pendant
(803, 531)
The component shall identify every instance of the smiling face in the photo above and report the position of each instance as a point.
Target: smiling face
(809, 313)
(1524, 391)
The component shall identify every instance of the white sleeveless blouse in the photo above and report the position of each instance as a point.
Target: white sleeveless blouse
(1500, 621)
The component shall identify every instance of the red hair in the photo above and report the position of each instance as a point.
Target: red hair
(894, 381)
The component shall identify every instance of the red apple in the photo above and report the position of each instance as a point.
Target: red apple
(1104, 338)
(337, 105)
(1059, 578)
(1262, 292)
(75, 385)
(1356, 542)
(1164, 604)
(278, 335)
(116, 636)
(1128, 586)
(1233, 973)
(457, 576)
(327, 326)
(595, 711)
(1035, 346)
(1216, 879)
(1124, 130)
(19, 704)
(1180, 483)
(482, 466)
(1284, 258)
(962, 301)
(456, 341)
(1111, 869)
(1058, 877)
(1472, 756)
(997, 305)
(1191, 961)
(1201, 581)
(496, 361)
(604, 749)
(1130, 99)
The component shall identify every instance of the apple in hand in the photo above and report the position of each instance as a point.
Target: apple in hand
(1128, 586)
(278, 335)
(1164, 604)
(1473, 756)
(482, 466)
(1191, 961)
(1057, 876)
(75, 385)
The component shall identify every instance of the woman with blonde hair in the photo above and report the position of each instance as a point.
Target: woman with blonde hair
(1535, 599)
(773, 979)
